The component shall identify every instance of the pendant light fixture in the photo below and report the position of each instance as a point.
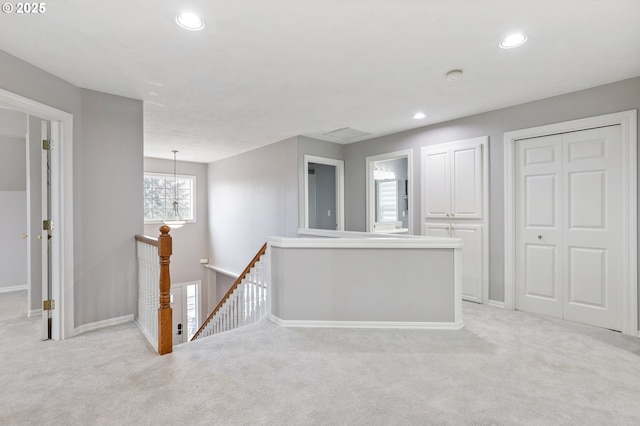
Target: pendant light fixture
(175, 221)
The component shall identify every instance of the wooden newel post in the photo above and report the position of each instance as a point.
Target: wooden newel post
(165, 326)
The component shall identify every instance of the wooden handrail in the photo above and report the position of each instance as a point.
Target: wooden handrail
(235, 285)
(147, 240)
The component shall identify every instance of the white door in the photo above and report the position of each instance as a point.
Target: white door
(466, 182)
(46, 235)
(177, 308)
(569, 226)
(471, 236)
(437, 193)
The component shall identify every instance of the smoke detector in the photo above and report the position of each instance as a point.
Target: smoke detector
(453, 75)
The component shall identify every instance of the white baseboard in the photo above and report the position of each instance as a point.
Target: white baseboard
(496, 303)
(13, 288)
(102, 324)
(368, 324)
(154, 342)
(35, 312)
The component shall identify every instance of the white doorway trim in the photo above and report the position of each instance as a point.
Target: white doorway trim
(339, 165)
(61, 205)
(628, 122)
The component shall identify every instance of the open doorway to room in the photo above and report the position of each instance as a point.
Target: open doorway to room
(323, 193)
(42, 209)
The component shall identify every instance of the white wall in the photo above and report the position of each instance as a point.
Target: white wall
(108, 207)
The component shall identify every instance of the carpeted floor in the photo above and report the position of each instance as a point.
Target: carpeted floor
(503, 368)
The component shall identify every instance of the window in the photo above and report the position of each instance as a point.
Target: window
(387, 201)
(160, 192)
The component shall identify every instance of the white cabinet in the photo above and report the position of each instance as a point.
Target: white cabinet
(453, 181)
(471, 236)
(454, 205)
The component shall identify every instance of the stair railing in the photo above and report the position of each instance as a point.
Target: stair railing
(245, 302)
(154, 286)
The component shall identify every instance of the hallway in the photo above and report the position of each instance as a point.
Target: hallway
(503, 368)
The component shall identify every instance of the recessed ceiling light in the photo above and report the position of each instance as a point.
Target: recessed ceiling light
(514, 40)
(419, 115)
(190, 21)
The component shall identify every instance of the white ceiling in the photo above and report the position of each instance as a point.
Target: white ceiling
(262, 71)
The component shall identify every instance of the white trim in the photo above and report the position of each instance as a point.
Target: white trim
(496, 304)
(628, 122)
(366, 243)
(13, 288)
(34, 313)
(457, 325)
(339, 165)
(222, 271)
(62, 207)
(85, 328)
(370, 200)
(154, 342)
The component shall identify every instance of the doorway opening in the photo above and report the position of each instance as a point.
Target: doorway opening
(323, 193)
(59, 238)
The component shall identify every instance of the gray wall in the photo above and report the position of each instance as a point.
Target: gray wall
(615, 97)
(190, 241)
(334, 285)
(13, 205)
(107, 159)
(251, 197)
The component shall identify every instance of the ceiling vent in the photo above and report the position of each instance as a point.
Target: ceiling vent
(347, 134)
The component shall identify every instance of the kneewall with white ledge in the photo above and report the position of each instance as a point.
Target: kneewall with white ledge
(366, 282)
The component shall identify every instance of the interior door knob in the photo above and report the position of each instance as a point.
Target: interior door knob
(39, 236)
(24, 236)
(539, 237)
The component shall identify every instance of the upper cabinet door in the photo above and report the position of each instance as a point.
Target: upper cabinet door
(452, 181)
(437, 196)
(466, 182)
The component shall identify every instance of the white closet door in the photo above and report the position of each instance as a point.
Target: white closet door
(593, 227)
(466, 182)
(471, 236)
(437, 196)
(538, 226)
(437, 230)
(569, 226)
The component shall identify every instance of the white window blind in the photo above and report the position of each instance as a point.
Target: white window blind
(387, 201)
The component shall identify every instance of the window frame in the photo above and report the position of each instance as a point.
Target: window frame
(193, 195)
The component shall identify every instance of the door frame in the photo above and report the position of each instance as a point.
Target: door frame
(370, 187)
(628, 126)
(61, 206)
(339, 165)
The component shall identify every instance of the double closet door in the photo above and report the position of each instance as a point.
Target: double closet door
(569, 226)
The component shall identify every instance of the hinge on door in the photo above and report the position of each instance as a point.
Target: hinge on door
(47, 225)
(48, 305)
(47, 144)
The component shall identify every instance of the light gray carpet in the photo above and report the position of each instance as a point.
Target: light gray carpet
(504, 368)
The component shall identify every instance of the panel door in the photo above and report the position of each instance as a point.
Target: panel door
(466, 182)
(437, 230)
(471, 235)
(569, 226)
(539, 225)
(593, 227)
(436, 193)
